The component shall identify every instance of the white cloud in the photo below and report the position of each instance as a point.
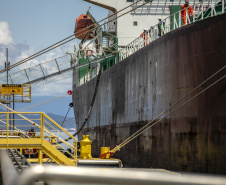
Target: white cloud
(53, 89)
(5, 33)
(2, 59)
(18, 52)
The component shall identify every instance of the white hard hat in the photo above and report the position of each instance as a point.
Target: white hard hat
(145, 29)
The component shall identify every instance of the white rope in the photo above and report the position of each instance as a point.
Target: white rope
(43, 102)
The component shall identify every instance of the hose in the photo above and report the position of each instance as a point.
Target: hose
(91, 105)
(65, 116)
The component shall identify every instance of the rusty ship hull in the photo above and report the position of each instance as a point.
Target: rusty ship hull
(139, 88)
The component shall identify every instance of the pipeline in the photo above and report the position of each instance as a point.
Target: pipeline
(115, 163)
(9, 173)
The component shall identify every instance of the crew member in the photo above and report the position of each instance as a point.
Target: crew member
(144, 36)
(31, 132)
(161, 27)
(184, 8)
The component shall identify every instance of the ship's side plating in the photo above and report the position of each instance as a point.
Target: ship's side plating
(145, 84)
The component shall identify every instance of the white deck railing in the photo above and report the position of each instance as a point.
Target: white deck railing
(166, 25)
(171, 23)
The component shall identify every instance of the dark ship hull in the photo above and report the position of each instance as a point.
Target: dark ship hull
(145, 84)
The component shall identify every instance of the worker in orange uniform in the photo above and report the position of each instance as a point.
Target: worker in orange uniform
(184, 8)
(144, 36)
(31, 132)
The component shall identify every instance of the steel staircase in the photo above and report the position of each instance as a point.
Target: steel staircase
(45, 128)
(45, 146)
(18, 160)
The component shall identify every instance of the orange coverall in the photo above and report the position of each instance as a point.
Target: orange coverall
(183, 12)
(144, 36)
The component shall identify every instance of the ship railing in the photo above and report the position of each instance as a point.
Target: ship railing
(160, 7)
(35, 133)
(200, 11)
(71, 175)
(94, 67)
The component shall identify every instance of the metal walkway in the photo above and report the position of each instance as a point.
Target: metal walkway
(44, 71)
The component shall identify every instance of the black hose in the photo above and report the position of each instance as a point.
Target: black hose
(91, 105)
(66, 116)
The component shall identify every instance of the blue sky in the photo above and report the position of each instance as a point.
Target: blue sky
(28, 26)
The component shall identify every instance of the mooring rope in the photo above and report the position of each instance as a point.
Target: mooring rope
(152, 122)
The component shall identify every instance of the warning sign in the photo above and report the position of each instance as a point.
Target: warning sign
(11, 89)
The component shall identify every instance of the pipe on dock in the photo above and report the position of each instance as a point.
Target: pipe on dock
(9, 173)
(113, 176)
(117, 163)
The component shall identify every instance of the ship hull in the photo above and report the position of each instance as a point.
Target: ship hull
(145, 84)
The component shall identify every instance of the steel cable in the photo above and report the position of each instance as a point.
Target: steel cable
(49, 68)
(43, 102)
(148, 125)
(34, 55)
(58, 43)
(180, 100)
(117, 148)
(98, 78)
(85, 32)
(65, 116)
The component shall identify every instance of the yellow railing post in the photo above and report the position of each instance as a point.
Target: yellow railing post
(21, 151)
(7, 128)
(42, 128)
(42, 138)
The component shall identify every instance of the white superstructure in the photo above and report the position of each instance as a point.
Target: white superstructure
(131, 25)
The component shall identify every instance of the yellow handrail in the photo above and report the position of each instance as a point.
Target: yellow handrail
(36, 125)
(8, 142)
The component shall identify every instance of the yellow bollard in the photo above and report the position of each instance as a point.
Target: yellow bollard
(53, 140)
(85, 145)
(104, 150)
